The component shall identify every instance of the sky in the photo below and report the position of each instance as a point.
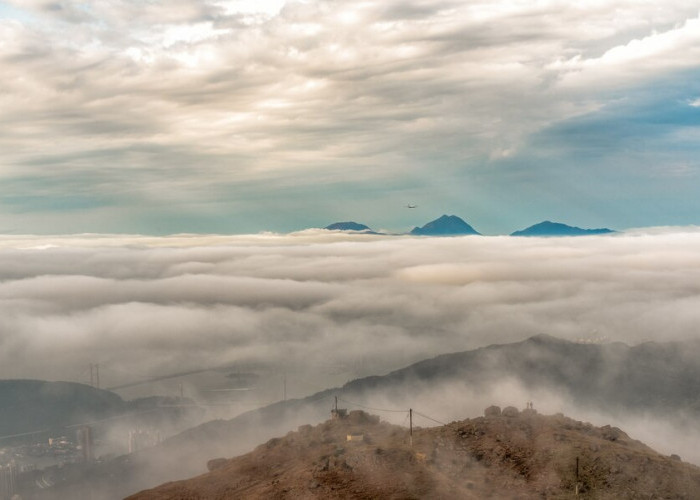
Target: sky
(245, 116)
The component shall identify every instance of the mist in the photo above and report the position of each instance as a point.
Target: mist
(239, 322)
(454, 400)
(322, 306)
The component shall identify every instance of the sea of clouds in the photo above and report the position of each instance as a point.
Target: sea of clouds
(320, 308)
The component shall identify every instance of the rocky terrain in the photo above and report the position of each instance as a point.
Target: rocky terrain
(657, 380)
(506, 454)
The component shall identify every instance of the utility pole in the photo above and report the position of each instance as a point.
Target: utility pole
(95, 375)
(577, 483)
(336, 405)
(285, 386)
(410, 426)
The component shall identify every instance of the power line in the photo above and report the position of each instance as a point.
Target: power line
(127, 372)
(132, 414)
(429, 418)
(23, 434)
(370, 408)
(156, 379)
(393, 411)
(319, 398)
(114, 417)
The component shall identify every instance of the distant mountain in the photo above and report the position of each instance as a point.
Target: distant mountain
(348, 226)
(29, 406)
(548, 228)
(446, 225)
(659, 380)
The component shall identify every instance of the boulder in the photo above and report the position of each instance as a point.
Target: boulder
(216, 463)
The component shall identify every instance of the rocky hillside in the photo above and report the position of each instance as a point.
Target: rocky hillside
(657, 380)
(653, 378)
(507, 454)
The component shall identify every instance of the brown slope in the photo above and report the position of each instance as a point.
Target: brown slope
(523, 456)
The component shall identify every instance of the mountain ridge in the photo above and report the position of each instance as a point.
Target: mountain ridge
(549, 228)
(37, 407)
(614, 377)
(452, 225)
(504, 453)
(348, 226)
(37, 404)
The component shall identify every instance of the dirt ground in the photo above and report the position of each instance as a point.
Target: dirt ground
(521, 456)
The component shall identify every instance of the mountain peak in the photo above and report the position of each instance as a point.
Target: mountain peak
(545, 338)
(347, 226)
(498, 455)
(445, 225)
(549, 228)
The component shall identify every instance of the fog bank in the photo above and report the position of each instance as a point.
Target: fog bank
(318, 308)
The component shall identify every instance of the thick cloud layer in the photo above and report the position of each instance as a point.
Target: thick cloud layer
(320, 308)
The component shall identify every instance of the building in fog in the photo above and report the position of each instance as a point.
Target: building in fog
(139, 439)
(85, 443)
(8, 481)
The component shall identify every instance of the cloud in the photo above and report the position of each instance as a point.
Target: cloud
(325, 307)
(647, 57)
(176, 106)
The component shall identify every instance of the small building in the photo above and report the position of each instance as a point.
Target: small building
(510, 411)
(356, 437)
(140, 439)
(8, 480)
(85, 443)
(492, 411)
